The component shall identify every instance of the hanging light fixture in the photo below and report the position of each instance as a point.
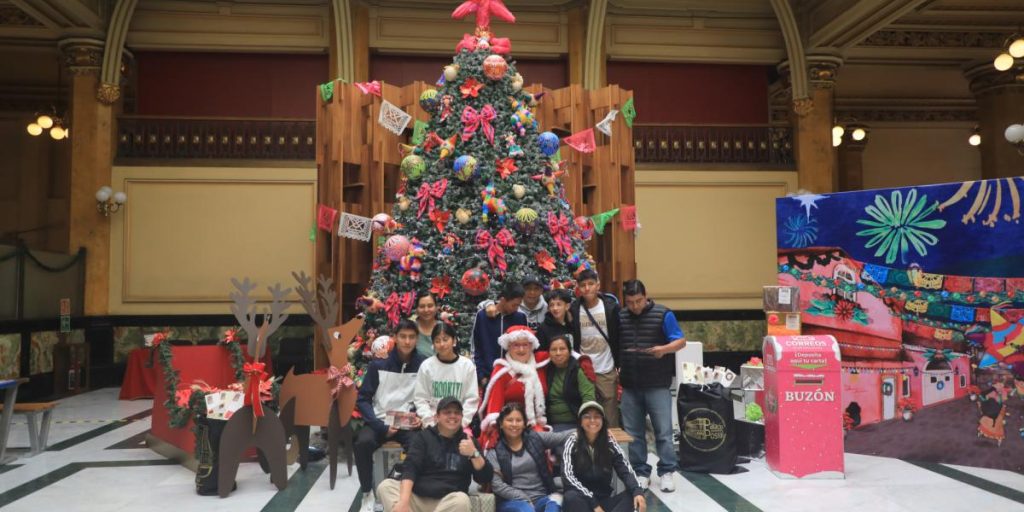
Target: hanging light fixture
(50, 119)
(975, 138)
(1013, 48)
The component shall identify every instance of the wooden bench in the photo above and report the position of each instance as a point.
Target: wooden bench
(38, 428)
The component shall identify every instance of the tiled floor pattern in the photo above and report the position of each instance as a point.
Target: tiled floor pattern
(102, 464)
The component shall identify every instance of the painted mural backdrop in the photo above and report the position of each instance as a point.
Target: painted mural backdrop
(924, 289)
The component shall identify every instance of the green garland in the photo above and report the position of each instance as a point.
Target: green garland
(178, 416)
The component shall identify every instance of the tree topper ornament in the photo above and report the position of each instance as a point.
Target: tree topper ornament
(483, 9)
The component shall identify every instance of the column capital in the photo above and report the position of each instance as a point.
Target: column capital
(82, 55)
(822, 70)
(984, 78)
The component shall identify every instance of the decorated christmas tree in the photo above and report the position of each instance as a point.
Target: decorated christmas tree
(481, 202)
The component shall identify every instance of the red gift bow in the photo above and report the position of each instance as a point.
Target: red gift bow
(393, 308)
(559, 227)
(495, 246)
(369, 87)
(408, 302)
(428, 194)
(252, 391)
(338, 378)
(502, 45)
(471, 120)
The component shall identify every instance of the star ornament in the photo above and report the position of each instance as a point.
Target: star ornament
(470, 88)
(505, 167)
(484, 9)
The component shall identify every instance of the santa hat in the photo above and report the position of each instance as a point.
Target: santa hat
(518, 333)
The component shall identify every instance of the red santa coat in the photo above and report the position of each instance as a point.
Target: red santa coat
(508, 385)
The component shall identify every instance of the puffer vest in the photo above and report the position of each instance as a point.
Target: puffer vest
(636, 334)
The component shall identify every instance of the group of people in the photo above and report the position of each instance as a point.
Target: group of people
(535, 402)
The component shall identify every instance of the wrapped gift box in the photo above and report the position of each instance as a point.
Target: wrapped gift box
(785, 299)
(783, 324)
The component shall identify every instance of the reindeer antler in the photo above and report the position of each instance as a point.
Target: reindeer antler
(272, 320)
(323, 311)
(243, 307)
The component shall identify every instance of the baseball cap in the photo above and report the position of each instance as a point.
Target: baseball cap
(590, 405)
(532, 279)
(448, 400)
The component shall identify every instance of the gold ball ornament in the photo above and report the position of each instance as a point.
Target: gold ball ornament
(517, 82)
(495, 67)
(451, 72)
(527, 215)
(462, 215)
(403, 203)
(518, 191)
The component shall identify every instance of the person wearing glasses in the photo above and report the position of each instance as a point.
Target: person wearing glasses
(517, 377)
(588, 459)
(523, 480)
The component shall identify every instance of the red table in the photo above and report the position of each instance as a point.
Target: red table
(209, 363)
(139, 375)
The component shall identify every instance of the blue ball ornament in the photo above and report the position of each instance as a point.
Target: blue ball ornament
(785, 268)
(465, 167)
(548, 143)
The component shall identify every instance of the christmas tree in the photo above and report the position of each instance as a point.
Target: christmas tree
(481, 202)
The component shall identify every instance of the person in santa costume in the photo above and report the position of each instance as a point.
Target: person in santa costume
(516, 377)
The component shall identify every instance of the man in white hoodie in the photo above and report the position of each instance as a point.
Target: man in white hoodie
(445, 374)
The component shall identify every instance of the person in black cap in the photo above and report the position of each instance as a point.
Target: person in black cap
(588, 459)
(534, 305)
(439, 463)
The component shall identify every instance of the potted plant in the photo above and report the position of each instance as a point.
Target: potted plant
(973, 391)
(906, 407)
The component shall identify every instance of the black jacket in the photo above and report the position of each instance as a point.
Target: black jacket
(637, 334)
(595, 483)
(373, 397)
(436, 467)
(551, 329)
(611, 314)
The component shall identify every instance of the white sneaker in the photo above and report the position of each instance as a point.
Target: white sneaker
(644, 482)
(368, 502)
(667, 483)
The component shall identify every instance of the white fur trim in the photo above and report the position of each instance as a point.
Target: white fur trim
(521, 334)
(488, 421)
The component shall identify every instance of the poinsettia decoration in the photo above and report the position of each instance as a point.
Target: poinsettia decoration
(470, 88)
(440, 219)
(231, 336)
(441, 286)
(505, 167)
(545, 261)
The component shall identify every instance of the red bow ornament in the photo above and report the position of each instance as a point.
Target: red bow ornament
(484, 9)
(495, 246)
(471, 120)
(559, 227)
(369, 87)
(252, 387)
(429, 194)
(393, 308)
(338, 378)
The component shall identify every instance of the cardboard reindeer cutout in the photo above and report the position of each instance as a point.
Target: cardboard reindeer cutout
(322, 399)
(251, 426)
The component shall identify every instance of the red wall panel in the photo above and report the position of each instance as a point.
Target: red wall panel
(401, 70)
(229, 85)
(694, 93)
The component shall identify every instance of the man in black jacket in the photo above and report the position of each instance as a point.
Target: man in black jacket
(649, 338)
(437, 468)
(595, 319)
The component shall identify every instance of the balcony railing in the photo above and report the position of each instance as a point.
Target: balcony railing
(180, 138)
(705, 144)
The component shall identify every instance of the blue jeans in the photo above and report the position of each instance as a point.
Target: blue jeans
(637, 404)
(541, 505)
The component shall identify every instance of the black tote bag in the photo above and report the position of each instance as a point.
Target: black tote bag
(707, 441)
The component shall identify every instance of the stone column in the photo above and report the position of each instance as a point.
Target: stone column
(851, 161)
(92, 126)
(1000, 99)
(812, 126)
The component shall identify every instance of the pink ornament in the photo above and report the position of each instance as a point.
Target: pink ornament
(586, 227)
(495, 67)
(396, 247)
(381, 222)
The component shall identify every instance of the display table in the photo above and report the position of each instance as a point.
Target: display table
(209, 363)
(139, 375)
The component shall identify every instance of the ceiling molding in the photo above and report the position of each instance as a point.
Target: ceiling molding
(935, 39)
(860, 21)
(13, 16)
(691, 39)
(907, 110)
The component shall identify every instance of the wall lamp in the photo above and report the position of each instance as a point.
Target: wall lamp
(108, 201)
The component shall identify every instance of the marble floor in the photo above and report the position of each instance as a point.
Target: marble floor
(97, 461)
